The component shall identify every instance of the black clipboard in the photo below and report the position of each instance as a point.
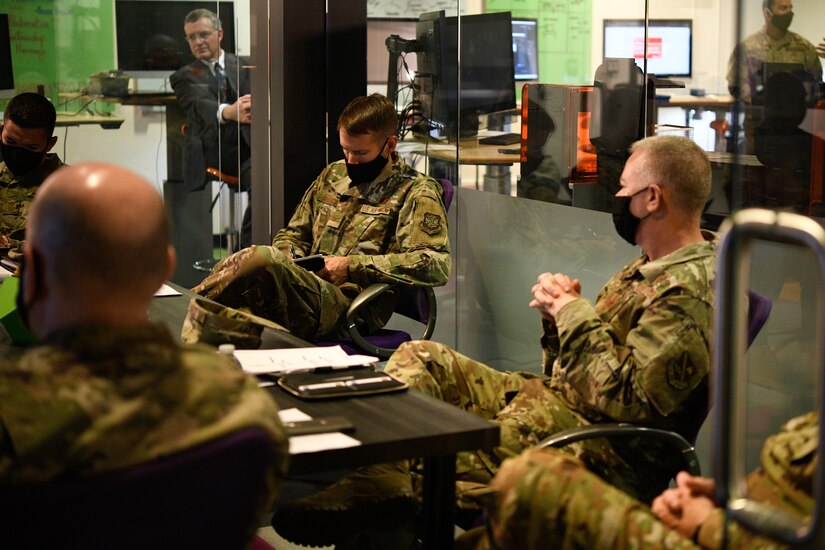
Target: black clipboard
(347, 383)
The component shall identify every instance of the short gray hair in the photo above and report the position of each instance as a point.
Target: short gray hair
(680, 165)
(196, 15)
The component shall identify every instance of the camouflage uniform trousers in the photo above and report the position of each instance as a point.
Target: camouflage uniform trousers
(526, 410)
(547, 498)
(263, 281)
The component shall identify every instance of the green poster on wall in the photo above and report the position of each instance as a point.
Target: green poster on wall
(57, 44)
(564, 31)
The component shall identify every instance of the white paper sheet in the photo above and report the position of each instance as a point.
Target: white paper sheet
(313, 443)
(320, 442)
(166, 290)
(280, 361)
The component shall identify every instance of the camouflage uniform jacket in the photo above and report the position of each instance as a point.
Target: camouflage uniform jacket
(92, 399)
(17, 192)
(393, 229)
(785, 481)
(760, 48)
(642, 354)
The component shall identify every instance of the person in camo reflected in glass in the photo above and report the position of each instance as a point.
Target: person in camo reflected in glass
(25, 141)
(214, 96)
(773, 43)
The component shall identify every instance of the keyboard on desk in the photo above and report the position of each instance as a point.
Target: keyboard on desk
(501, 139)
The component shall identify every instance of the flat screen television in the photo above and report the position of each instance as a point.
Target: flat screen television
(149, 34)
(525, 49)
(669, 44)
(6, 73)
(486, 80)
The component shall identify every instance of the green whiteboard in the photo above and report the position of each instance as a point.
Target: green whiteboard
(57, 44)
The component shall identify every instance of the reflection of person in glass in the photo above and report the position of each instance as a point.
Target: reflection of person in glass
(540, 174)
(774, 43)
(217, 105)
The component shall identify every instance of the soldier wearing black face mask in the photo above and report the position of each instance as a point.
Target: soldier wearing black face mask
(25, 141)
(774, 43)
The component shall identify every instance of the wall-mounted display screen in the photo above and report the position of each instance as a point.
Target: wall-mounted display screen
(669, 44)
(6, 74)
(149, 34)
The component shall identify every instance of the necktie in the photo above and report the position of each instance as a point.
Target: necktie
(223, 83)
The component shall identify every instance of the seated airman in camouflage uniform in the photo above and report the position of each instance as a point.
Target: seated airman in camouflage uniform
(640, 355)
(104, 388)
(547, 498)
(25, 141)
(374, 218)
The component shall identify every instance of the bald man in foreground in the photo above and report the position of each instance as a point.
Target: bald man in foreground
(104, 388)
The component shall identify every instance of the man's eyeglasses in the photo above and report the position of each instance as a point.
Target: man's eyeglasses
(195, 36)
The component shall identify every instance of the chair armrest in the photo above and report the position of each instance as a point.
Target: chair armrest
(685, 448)
(366, 297)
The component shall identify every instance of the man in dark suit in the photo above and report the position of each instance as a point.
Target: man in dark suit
(214, 96)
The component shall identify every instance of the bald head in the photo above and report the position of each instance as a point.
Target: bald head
(98, 232)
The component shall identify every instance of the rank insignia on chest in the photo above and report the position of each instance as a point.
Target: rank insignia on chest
(431, 224)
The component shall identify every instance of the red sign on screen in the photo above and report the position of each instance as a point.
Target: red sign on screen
(654, 47)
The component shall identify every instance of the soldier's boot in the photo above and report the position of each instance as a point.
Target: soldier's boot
(377, 497)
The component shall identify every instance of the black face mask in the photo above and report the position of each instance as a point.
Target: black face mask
(20, 161)
(624, 221)
(367, 171)
(782, 22)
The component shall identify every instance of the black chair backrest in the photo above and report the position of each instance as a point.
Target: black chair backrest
(205, 497)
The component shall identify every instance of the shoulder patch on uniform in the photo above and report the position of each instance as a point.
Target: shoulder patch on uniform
(431, 224)
(680, 374)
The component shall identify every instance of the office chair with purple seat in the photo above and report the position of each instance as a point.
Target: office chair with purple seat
(415, 302)
(207, 497)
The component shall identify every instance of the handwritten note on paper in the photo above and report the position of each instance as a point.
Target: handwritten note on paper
(280, 361)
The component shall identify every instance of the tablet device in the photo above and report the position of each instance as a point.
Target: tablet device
(311, 263)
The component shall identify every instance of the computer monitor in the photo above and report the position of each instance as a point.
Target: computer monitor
(6, 73)
(149, 34)
(669, 44)
(487, 69)
(525, 49)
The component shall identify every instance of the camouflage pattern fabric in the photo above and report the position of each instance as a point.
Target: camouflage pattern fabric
(760, 48)
(393, 230)
(92, 399)
(641, 355)
(214, 324)
(548, 497)
(17, 192)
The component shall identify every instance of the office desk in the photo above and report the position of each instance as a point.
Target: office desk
(418, 426)
(390, 427)
(470, 152)
(83, 118)
(719, 104)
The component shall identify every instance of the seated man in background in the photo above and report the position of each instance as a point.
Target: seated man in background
(25, 141)
(640, 355)
(565, 506)
(375, 220)
(106, 389)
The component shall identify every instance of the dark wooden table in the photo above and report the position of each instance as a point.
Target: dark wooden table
(390, 427)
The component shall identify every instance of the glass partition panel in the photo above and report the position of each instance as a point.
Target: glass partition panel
(776, 77)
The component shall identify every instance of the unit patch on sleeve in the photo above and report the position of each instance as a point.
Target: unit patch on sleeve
(431, 224)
